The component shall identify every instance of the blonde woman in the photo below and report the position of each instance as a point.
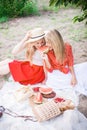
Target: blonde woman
(61, 59)
(63, 74)
(29, 71)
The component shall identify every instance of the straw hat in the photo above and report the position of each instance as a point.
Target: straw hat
(36, 34)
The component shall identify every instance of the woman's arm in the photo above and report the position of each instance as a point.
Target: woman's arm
(45, 71)
(73, 78)
(19, 47)
(47, 63)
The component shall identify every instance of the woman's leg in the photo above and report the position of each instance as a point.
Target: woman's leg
(4, 66)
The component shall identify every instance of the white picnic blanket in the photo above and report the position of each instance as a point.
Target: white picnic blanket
(69, 120)
(60, 81)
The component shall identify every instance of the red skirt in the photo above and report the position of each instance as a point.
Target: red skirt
(25, 74)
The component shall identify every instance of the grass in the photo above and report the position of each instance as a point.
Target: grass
(4, 19)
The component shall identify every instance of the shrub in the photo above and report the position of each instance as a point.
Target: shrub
(15, 8)
(30, 8)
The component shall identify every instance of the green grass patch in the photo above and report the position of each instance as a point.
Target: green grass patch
(4, 19)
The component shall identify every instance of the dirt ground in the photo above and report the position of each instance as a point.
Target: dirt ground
(14, 30)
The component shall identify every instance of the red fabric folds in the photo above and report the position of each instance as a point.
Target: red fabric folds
(67, 62)
(24, 73)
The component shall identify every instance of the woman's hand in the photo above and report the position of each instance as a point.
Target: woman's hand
(73, 78)
(28, 35)
(73, 81)
(44, 56)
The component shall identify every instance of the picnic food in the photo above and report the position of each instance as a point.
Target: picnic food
(36, 89)
(44, 49)
(58, 99)
(51, 95)
(38, 98)
(66, 105)
(45, 90)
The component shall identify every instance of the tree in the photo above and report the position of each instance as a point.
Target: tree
(81, 3)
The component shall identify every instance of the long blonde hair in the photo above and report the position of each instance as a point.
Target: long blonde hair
(30, 51)
(57, 43)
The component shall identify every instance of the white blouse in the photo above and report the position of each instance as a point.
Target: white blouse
(37, 58)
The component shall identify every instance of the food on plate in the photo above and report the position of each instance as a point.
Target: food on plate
(44, 49)
(69, 104)
(58, 99)
(36, 89)
(50, 95)
(66, 105)
(45, 90)
(38, 98)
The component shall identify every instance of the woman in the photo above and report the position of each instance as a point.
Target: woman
(29, 71)
(60, 76)
(60, 55)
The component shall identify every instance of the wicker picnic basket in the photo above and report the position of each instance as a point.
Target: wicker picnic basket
(50, 108)
(46, 111)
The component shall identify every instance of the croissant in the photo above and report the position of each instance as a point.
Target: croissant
(67, 104)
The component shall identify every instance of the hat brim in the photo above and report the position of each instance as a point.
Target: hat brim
(36, 39)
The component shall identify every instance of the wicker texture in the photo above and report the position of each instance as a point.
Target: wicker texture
(46, 111)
